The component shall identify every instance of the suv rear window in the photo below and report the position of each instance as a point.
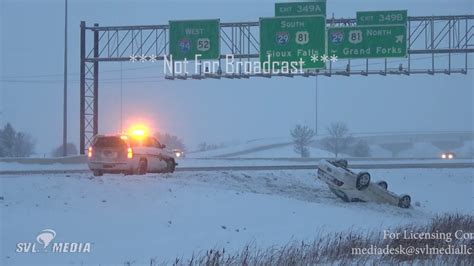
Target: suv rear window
(109, 142)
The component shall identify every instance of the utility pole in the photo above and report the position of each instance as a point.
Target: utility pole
(316, 108)
(65, 84)
(121, 98)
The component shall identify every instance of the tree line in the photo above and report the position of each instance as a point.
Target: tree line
(339, 140)
(15, 143)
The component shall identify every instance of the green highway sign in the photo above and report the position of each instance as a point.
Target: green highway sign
(368, 41)
(382, 17)
(189, 38)
(300, 8)
(286, 40)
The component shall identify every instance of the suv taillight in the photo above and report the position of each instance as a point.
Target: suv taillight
(89, 152)
(129, 153)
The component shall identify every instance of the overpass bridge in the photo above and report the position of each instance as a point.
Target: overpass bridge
(397, 142)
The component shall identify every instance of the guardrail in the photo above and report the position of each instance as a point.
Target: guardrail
(267, 168)
(66, 160)
(79, 159)
(315, 159)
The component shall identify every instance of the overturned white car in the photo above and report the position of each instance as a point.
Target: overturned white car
(356, 187)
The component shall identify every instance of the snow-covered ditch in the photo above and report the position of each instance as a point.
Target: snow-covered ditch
(137, 218)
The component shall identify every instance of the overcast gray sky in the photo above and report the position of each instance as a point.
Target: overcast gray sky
(31, 86)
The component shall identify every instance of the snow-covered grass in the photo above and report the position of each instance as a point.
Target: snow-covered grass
(161, 217)
(345, 248)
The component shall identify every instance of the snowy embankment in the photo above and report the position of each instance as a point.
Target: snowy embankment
(137, 218)
(276, 150)
(283, 148)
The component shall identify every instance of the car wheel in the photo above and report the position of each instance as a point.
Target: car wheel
(340, 194)
(142, 167)
(97, 173)
(404, 202)
(383, 184)
(363, 180)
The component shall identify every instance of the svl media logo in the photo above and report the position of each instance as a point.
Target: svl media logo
(44, 243)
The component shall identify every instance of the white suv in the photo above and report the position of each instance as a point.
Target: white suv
(128, 155)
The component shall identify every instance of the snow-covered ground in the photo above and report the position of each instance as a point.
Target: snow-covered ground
(285, 152)
(137, 218)
(34, 167)
(260, 148)
(251, 144)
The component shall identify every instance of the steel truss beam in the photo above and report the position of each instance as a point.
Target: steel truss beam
(430, 36)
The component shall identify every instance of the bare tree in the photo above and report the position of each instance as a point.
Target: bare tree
(339, 139)
(302, 138)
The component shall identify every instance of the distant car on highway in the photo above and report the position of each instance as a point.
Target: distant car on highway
(357, 187)
(178, 154)
(448, 155)
(128, 154)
